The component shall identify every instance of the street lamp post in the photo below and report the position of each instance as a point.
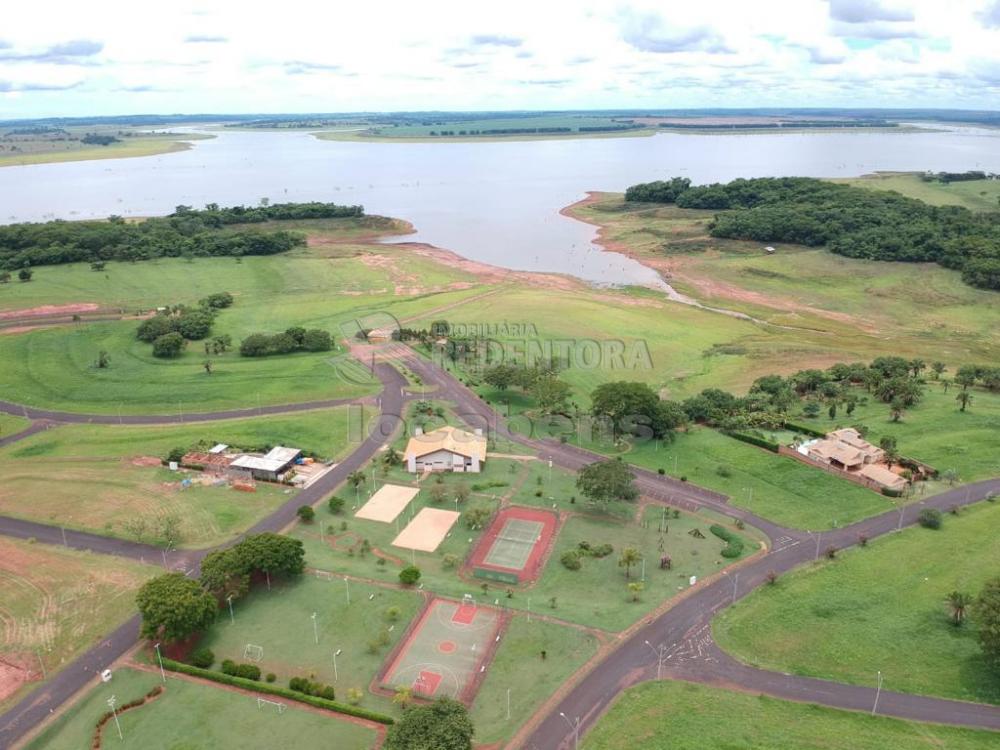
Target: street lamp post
(575, 726)
(347, 587)
(336, 653)
(232, 618)
(661, 656)
(878, 691)
(111, 705)
(159, 658)
(315, 629)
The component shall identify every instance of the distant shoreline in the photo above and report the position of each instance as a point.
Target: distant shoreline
(128, 149)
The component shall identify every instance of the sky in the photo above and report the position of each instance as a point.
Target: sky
(63, 58)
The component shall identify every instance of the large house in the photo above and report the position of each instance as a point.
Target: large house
(845, 449)
(445, 449)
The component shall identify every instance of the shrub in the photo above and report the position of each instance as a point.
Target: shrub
(409, 575)
(772, 577)
(168, 345)
(306, 513)
(203, 657)
(601, 550)
(271, 677)
(228, 667)
(723, 471)
(449, 561)
(930, 518)
(392, 614)
(248, 671)
(734, 543)
(176, 454)
(335, 504)
(831, 552)
(661, 472)
(571, 560)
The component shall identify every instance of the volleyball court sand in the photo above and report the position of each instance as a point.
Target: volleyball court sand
(387, 503)
(427, 530)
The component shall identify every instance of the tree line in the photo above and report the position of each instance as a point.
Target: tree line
(850, 221)
(171, 328)
(187, 232)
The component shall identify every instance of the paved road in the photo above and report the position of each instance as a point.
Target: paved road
(36, 707)
(34, 428)
(70, 417)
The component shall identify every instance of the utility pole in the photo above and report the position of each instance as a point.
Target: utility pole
(878, 691)
(575, 726)
(111, 705)
(661, 656)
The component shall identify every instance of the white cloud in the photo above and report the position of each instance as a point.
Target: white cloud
(217, 55)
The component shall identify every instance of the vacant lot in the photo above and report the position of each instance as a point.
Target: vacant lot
(196, 716)
(691, 717)
(280, 621)
(879, 608)
(95, 477)
(54, 604)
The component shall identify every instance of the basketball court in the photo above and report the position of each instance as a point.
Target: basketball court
(447, 649)
(387, 503)
(514, 546)
(427, 530)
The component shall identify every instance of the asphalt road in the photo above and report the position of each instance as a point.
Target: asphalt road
(36, 707)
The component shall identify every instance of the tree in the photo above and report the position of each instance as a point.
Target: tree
(306, 513)
(440, 328)
(409, 575)
(632, 408)
(958, 603)
(443, 725)
(152, 328)
(316, 340)
(501, 376)
(605, 481)
(964, 398)
(356, 478)
(462, 492)
(274, 554)
(635, 588)
(938, 369)
(551, 394)
(929, 518)
(4, 277)
(25, 274)
(224, 573)
(439, 493)
(207, 364)
(335, 504)
(966, 375)
(896, 409)
(986, 613)
(888, 446)
(168, 345)
(173, 607)
(255, 345)
(630, 556)
(103, 360)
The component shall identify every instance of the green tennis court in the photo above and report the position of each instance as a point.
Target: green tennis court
(514, 543)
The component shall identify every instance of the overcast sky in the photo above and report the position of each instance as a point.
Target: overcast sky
(110, 57)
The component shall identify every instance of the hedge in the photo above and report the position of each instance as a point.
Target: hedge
(889, 492)
(794, 427)
(734, 542)
(261, 687)
(754, 440)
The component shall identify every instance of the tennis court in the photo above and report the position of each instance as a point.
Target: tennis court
(447, 649)
(513, 548)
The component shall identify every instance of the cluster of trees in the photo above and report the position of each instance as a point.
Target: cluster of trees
(636, 409)
(293, 339)
(173, 606)
(850, 221)
(441, 725)
(946, 177)
(604, 482)
(551, 394)
(170, 329)
(185, 233)
(97, 139)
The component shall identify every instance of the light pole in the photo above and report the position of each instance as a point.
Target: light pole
(335, 655)
(819, 535)
(232, 619)
(315, 629)
(347, 587)
(159, 658)
(508, 704)
(661, 656)
(736, 582)
(878, 691)
(575, 726)
(111, 705)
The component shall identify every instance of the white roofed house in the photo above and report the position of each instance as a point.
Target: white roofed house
(272, 466)
(446, 449)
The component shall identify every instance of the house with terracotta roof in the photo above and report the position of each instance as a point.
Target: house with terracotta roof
(445, 449)
(883, 477)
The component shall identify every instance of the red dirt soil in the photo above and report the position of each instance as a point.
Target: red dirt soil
(43, 311)
(15, 671)
(533, 565)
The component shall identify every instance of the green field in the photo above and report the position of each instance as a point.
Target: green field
(976, 195)
(88, 476)
(56, 603)
(519, 668)
(11, 424)
(195, 716)
(682, 716)
(20, 150)
(879, 608)
(280, 621)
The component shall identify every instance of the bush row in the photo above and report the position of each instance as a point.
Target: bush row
(224, 679)
(734, 543)
(292, 340)
(804, 429)
(755, 440)
(315, 689)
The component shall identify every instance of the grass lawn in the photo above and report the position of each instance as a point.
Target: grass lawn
(597, 594)
(976, 195)
(280, 621)
(684, 716)
(778, 488)
(519, 668)
(87, 476)
(879, 608)
(10, 424)
(190, 716)
(55, 603)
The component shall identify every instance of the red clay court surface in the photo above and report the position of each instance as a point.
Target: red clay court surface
(515, 543)
(447, 649)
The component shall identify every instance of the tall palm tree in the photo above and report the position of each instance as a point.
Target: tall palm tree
(630, 556)
(958, 602)
(964, 398)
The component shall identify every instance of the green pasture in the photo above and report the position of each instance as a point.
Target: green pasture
(879, 608)
(683, 716)
(976, 195)
(195, 716)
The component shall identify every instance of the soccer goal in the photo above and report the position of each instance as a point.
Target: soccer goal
(261, 702)
(468, 600)
(253, 653)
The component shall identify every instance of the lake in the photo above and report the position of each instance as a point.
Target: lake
(493, 202)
